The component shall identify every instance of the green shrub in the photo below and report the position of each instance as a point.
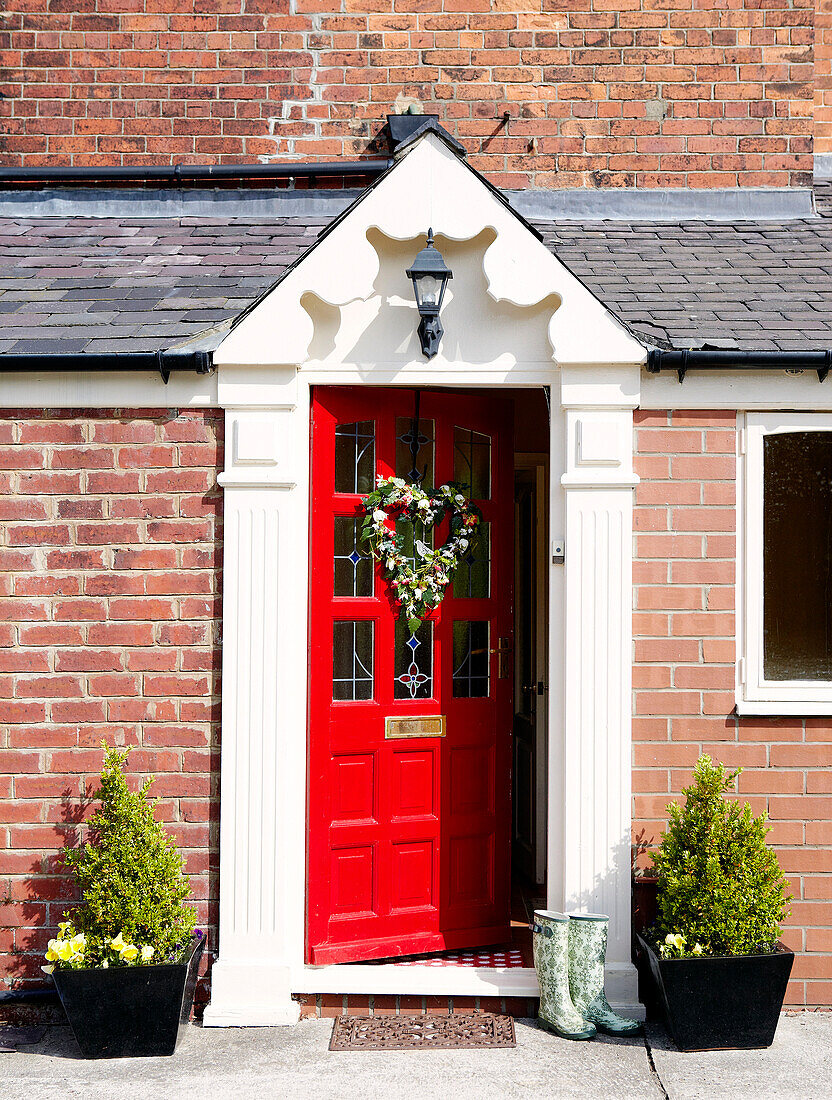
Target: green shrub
(131, 880)
(720, 887)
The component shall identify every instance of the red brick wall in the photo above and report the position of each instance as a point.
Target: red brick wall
(683, 677)
(599, 93)
(823, 76)
(110, 537)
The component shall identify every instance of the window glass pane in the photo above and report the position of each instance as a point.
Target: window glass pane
(797, 552)
(355, 457)
(472, 578)
(353, 563)
(352, 658)
(414, 662)
(424, 456)
(472, 463)
(470, 660)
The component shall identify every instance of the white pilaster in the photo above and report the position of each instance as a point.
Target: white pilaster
(594, 867)
(263, 699)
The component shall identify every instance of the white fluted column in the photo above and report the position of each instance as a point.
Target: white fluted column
(594, 867)
(263, 701)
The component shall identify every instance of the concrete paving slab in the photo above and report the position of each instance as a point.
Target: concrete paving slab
(797, 1066)
(294, 1062)
(290, 1062)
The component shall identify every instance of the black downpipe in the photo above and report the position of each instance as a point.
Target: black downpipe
(659, 359)
(40, 996)
(194, 173)
(165, 362)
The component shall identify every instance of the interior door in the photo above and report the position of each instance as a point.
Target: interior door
(409, 821)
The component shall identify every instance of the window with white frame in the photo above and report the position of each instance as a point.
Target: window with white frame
(786, 664)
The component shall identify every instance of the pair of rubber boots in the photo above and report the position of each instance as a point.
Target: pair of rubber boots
(569, 953)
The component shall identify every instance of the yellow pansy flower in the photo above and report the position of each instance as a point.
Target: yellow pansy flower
(64, 927)
(63, 950)
(47, 969)
(129, 952)
(51, 953)
(118, 943)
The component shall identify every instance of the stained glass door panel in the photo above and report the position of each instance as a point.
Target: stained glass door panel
(409, 816)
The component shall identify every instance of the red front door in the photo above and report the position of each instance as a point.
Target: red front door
(409, 823)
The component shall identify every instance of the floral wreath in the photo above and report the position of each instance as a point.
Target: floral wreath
(418, 589)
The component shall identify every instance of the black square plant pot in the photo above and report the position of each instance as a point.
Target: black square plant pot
(731, 1002)
(130, 1012)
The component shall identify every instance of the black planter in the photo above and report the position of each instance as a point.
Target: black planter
(130, 1012)
(725, 1003)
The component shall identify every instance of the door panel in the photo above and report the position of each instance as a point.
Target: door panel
(409, 836)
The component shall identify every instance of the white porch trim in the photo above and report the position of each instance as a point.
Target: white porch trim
(593, 380)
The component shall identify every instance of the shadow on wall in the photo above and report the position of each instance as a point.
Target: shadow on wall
(50, 891)
(478, 329)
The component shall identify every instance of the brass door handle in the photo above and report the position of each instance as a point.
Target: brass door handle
(504, 650)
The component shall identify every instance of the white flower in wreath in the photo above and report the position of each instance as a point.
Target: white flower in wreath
(421, 549)
(463, 544)
(379, 515)
(423, 503)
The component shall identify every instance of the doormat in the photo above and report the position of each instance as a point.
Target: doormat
(458, 1031)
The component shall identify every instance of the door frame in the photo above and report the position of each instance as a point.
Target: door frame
(262, 867)
(538, 464)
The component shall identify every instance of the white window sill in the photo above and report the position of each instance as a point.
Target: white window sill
(783, 708)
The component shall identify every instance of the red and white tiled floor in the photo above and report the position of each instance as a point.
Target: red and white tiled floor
(495, 958)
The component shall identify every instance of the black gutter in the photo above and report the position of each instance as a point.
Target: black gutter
(164, 361)
(659, 359)
(194, 173)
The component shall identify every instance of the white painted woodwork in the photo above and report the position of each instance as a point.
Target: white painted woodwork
(755, 694)
(593, 874)
(263, 707)
(345, 315)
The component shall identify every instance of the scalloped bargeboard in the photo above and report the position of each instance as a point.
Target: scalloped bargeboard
(460, 1031)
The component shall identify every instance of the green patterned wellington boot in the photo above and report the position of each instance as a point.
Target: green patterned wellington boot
(551, 961)
(587, 952)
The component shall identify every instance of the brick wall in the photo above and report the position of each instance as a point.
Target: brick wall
(823, 77)
(641, 93)
(683, 677)
(109, 618)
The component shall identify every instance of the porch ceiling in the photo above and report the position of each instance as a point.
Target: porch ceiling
(105, 285)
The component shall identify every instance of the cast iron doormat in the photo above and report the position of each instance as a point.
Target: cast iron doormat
(460, 1031)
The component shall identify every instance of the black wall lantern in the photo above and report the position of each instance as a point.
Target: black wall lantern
(430, 277)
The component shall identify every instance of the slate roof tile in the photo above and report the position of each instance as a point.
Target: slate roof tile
(88, 284)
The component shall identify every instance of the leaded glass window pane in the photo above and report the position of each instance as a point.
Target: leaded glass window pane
(424, 456)
(473, 576)
(352, 654)
(355, 457)
(414, 662)
(471, 661)
(797, 556)
(353, 562)
(472, 463)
